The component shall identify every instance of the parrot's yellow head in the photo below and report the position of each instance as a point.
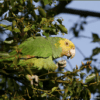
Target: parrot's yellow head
(68, 48)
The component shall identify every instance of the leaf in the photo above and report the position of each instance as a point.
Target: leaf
(46, 2)
(46, 34)
(90, 78)
(42, 12)
(16, 30)
(60, 21)
(95, 37)
(21, 1)
(41, 84)
(28, 77)
(62, 28)
(44, 20)
(82, 75)
(9, 42)
(44, 95)
(33, 26)
(14, 23)
(6, 27)
(3, 71)
(12, 2)
(26, 29)
(95, 51)
(54, 88)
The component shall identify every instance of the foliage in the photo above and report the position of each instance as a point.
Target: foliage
(15, 82)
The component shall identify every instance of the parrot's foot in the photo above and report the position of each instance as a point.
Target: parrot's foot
(61, 64)
(33, 79)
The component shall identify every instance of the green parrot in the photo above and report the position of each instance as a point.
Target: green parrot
(40, 52)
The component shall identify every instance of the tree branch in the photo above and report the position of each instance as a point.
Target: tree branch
(81, 12)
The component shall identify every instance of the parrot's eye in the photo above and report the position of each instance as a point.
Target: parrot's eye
(67, 43)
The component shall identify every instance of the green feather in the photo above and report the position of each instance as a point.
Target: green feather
(40, 47)
(56, 50)
(40, 63)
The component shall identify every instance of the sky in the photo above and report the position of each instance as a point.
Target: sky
(92, 26)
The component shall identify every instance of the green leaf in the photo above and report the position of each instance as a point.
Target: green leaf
(82, 75)
(54, 88)
(42, 12)
(3, 71)
(90, 78)
(95, 37)
(28, 77)
(16, 30)
(9, 42)
(14, 23)
(26, 29)
(95, 51)
(46, 2)
(33, 26)
(44, 20)
(60, 21)
(6, 27)
(12, 2)
(41, 84)
(46, 34)
(21, 1)
(62, 28)
(44, 95)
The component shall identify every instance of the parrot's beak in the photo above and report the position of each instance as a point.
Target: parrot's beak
(71, 53)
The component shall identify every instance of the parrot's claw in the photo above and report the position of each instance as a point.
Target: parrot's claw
(61, 64)
(33, 79)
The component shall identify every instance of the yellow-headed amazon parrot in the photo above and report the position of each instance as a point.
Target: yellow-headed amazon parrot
(39, 52)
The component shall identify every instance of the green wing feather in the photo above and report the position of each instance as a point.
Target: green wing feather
(35, 47)
(41, 47)
(35, 63)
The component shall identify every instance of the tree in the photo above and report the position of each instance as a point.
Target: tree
(16, 83)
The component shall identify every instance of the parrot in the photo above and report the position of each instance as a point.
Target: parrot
(39, 52)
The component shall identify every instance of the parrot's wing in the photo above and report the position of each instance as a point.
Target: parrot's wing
(39, 47)
(35, 63)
